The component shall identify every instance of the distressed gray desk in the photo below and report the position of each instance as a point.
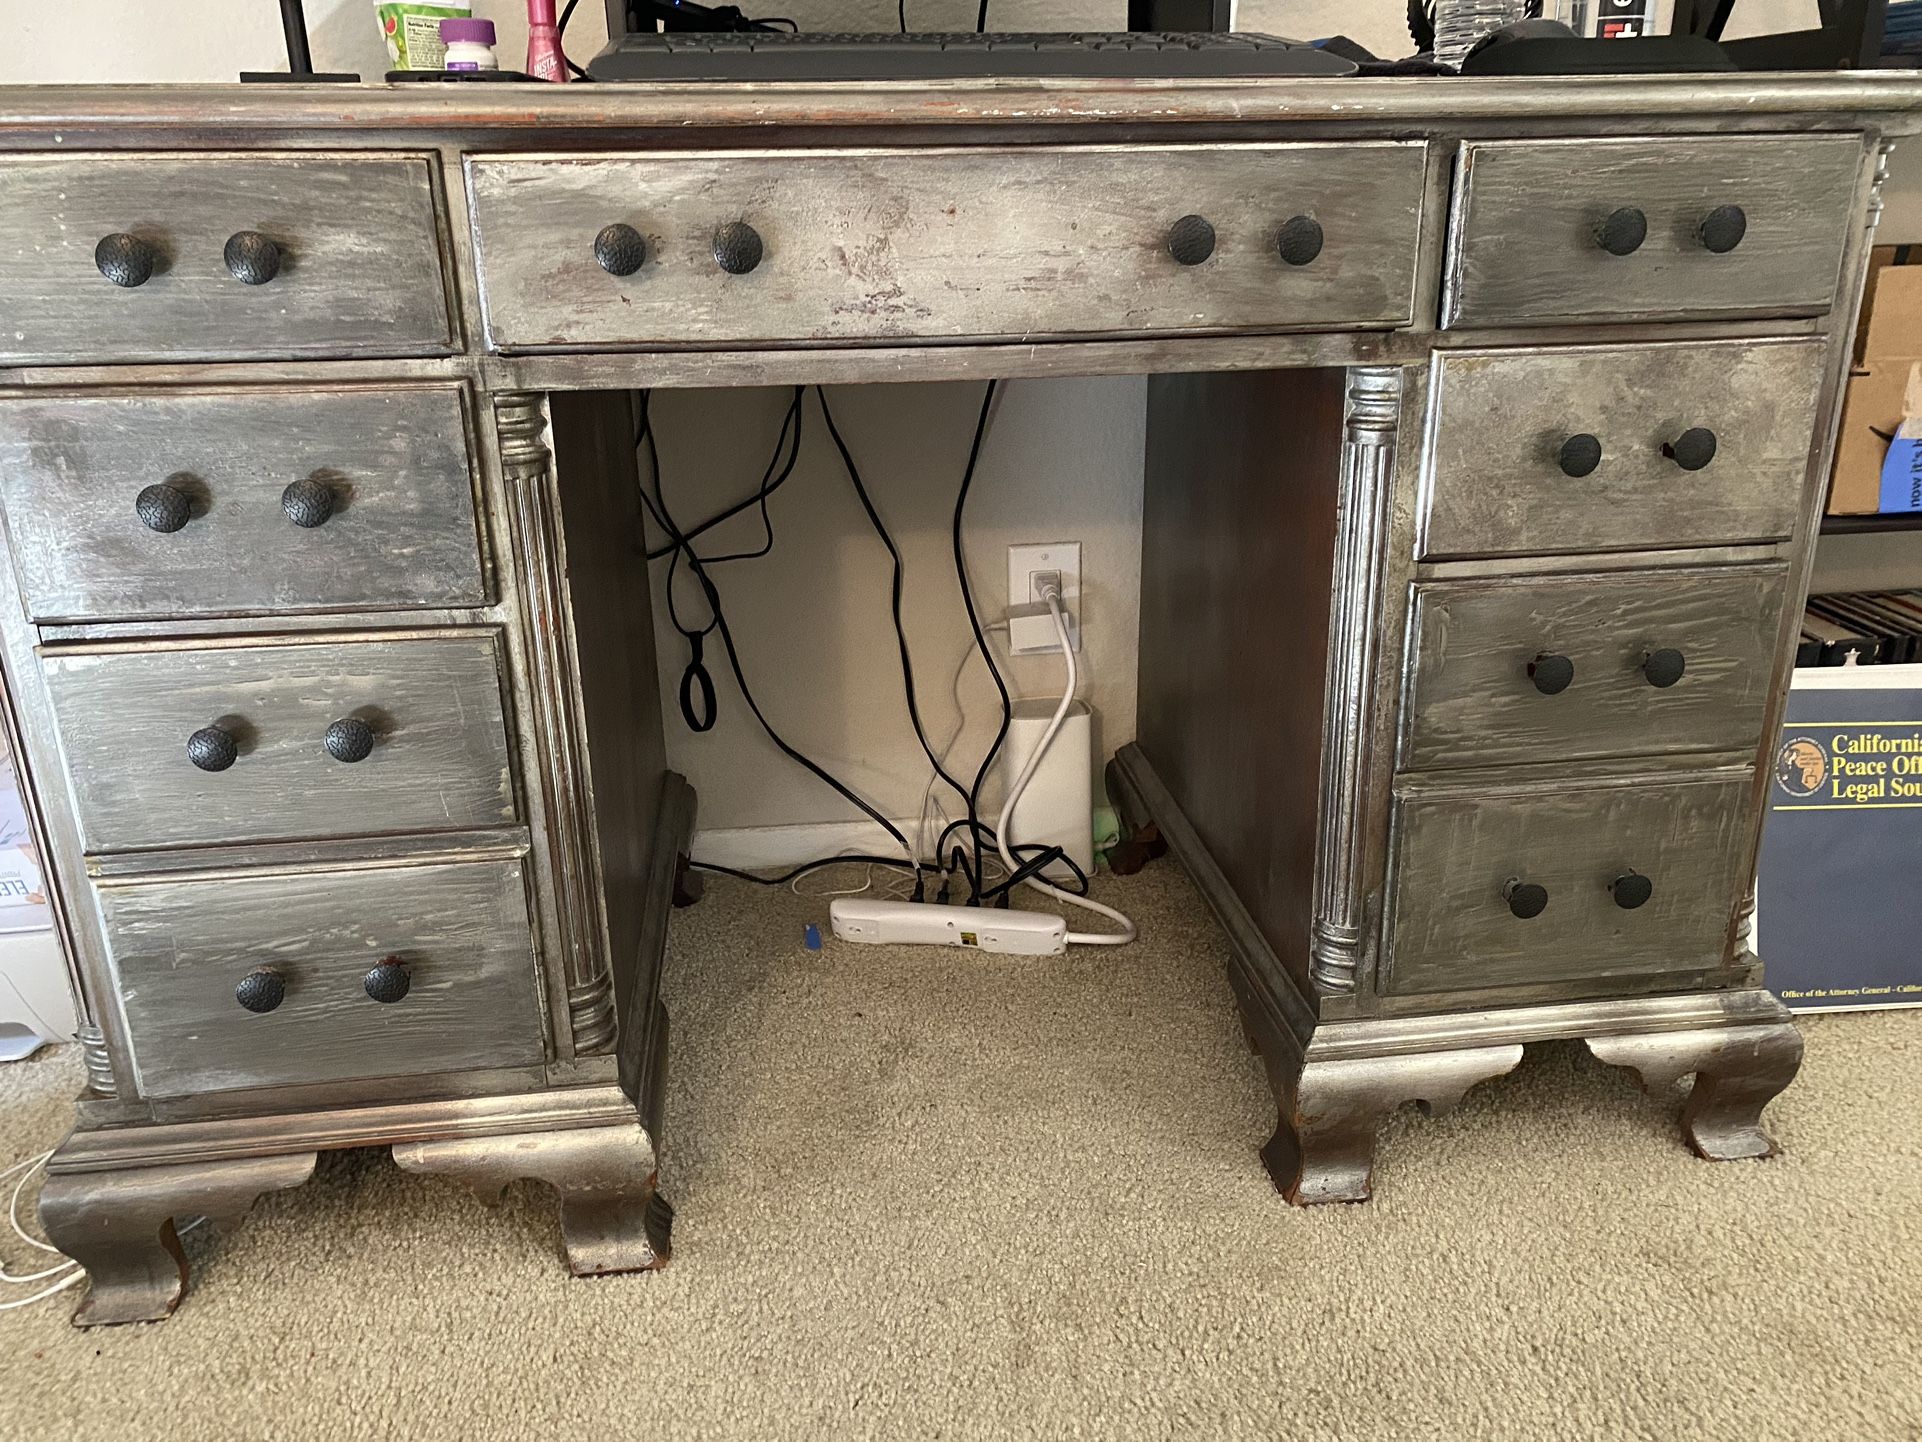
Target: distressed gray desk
(1485, 447)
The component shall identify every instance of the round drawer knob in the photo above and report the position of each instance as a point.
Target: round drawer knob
(1692, 449)
(261, 990)
(1580, 454)
(308, 502)
(1299, 240)
(212, 749)
(1525, 898)
(1191, 240)
(350, 739)
(388, 982)
(163, 508)
(126, 260)
(251, 258)
(1631, 890)
(737, 247)
(1664, 667)
(1722, 229)
(1551, 673)
(620, 250)
(1622, 231)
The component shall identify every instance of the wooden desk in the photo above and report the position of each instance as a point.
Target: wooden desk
(1487, 439)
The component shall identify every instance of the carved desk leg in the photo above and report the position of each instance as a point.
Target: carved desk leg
(1323, 1149)
(1738, 1071)
(612, 1219)
(119, 1225)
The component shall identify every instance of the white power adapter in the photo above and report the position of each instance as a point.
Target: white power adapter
(1020, 933)
(1031, 630)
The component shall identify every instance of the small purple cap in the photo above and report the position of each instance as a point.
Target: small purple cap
(475, 32)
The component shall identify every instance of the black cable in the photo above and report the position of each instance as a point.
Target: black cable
(974, 622)
(770, 483)
(900, 631)
(981, 19)
(902, 6)
(803, 869)
(1052, 853)
(657, 508)
(560, 39)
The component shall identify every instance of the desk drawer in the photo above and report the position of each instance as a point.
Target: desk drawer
(352, 267)
(389, 468)
(937, 244)
(459, 931)
(1473, 700)
(1677, 848)
(1516, 434)
(1531, 218)
(261, 720)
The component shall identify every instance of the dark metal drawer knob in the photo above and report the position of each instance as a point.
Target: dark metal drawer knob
(1299, 240)
(350, 739)
(1631, 890)
(1664, 667)
(1580, 454)
(1622, 231)
(1692, 449)
(388, 982)
(620, 250)
(737, 247)
(1525, 898)
(163, 508)
(251, 258)
(261, 990)
(1722, 229)
(1551, 673)
(212, 749)
(308, 502)
(1191, 240)
(126, 260)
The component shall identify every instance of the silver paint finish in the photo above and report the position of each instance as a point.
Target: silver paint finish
(944, 244)
(360, 271)
(395, 460)
(461, 930)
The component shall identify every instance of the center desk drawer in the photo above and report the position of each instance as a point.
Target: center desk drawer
(196, 257)
(1618, 448)
(1626, 878)
(198, 745)
(935, 244)
(1565, 668)
(151, 503)
(1637, 229)
(460, 932)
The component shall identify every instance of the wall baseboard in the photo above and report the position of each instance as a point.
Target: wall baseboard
(762, 848)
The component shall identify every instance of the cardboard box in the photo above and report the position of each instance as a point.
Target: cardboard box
(1885, 387)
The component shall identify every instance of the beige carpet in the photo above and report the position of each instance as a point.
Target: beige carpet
(926, 1195)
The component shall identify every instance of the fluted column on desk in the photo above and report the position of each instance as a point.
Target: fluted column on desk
(533, 506)
(1367, 480)
(93, 1050)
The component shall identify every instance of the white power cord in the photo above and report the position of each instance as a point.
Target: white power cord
(1051, 593)
(68, 1270)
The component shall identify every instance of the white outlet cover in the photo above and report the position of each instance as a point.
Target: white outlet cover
(1025, 562)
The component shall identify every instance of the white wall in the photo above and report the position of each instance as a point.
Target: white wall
(1062, 461)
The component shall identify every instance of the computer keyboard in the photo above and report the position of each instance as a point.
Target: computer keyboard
(773, 55)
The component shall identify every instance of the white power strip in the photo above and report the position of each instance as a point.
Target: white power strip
(911, 923)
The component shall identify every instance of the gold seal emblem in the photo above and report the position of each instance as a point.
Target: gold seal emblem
(1801, 766)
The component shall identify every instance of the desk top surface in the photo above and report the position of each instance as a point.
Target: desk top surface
(1718, 100)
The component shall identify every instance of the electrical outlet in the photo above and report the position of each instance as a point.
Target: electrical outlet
(1026, 565)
